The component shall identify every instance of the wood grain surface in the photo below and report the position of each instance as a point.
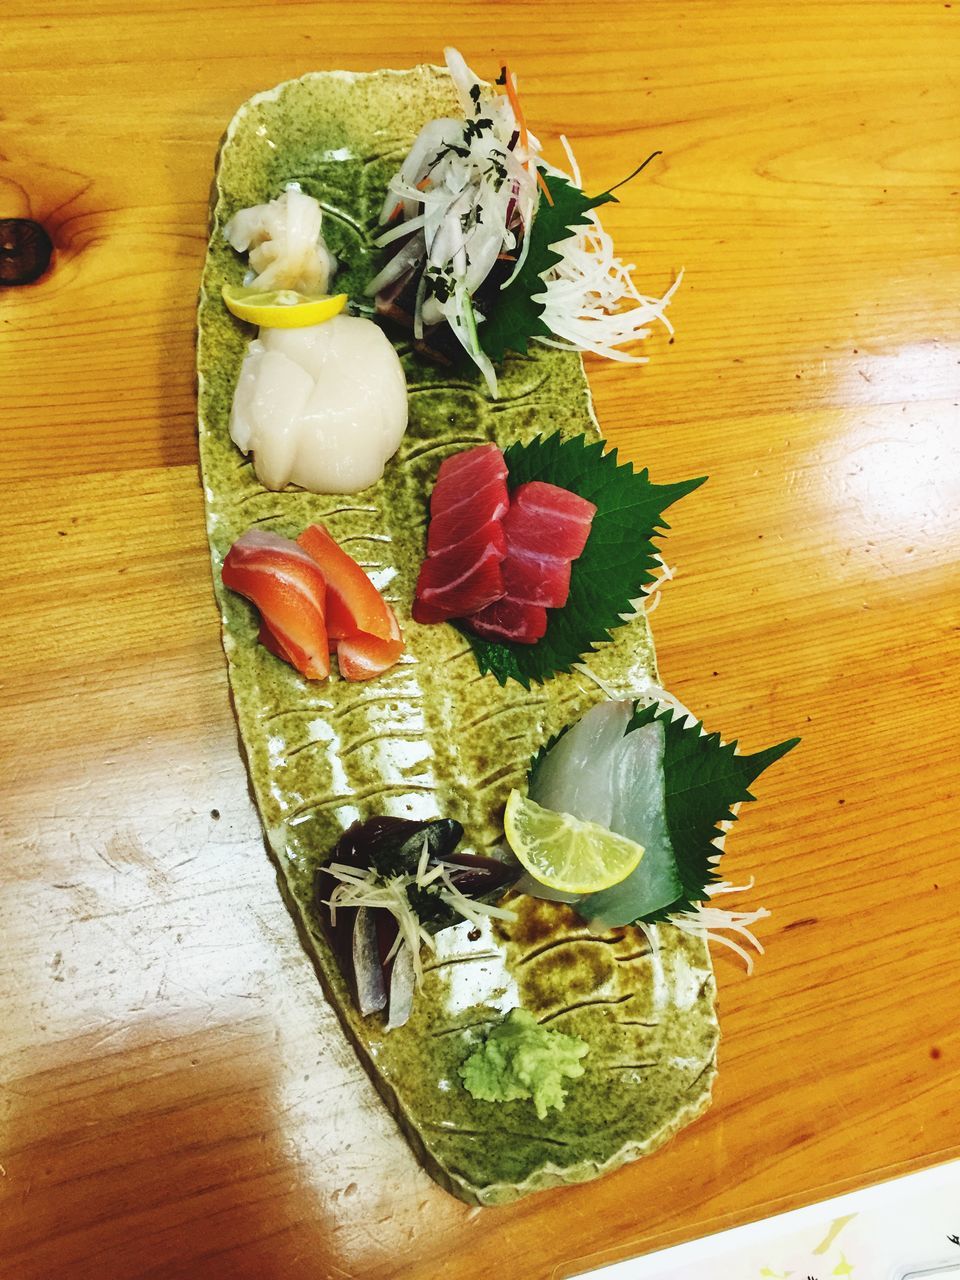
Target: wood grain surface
(176, 1099)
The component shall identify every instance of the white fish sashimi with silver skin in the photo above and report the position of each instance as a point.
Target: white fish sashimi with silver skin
(599, 772)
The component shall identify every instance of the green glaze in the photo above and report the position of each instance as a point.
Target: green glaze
(433, 737)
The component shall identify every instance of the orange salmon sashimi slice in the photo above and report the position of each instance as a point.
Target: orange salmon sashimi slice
(289, 590)
(353, 603)
(363, 656)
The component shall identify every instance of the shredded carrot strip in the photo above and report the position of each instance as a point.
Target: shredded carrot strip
(544, 188)
(505, 257)
(421, 186)
(514, 99)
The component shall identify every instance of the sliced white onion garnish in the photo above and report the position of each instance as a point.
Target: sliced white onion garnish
(469, 187)
(405, 259)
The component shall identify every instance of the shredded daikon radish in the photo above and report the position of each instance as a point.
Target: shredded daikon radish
(653, 692)
(710, 922)
(651, 600)
(591, 302)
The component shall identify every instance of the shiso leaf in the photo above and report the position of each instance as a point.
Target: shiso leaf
(516, 316)
(615, 567)
(704, 778)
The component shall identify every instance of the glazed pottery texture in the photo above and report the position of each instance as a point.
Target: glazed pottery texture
(432, 736)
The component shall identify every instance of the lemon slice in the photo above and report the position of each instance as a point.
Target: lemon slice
(283, 308)
(565, 853)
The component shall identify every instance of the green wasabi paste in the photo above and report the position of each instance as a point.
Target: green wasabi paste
(521, 1059)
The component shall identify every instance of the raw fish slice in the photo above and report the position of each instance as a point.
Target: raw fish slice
(600, 773)
(459, 520)
(639, 811)
(509, 619)
(547, 519)
(448, 565)
(273, 644)
(537, 579)
(462, 579)
(363, 656)
(577, 775)
(353, 603)
(461, 475)
(286, 585)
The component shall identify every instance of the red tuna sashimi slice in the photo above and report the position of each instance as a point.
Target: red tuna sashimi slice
(286, 585)
(509, 619)
(462, 579)
(462, 474)
(536, 579)
(548, 520)
(454, 523)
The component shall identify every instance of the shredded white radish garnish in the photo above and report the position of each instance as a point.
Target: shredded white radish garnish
(602, 685)
(651, 600)
(591, 301)
(653, 692)
(710, 922)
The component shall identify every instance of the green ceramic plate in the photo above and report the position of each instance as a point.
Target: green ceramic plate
(432, 736)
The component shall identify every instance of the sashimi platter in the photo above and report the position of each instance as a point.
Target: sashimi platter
(498, 835)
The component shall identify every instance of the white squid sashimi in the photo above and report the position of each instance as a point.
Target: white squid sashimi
(322, 407)
(287, 249)
(599, 773)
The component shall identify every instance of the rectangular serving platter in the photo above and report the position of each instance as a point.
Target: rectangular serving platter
(432, 737)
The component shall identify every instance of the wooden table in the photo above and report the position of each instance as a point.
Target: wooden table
(175, 1096)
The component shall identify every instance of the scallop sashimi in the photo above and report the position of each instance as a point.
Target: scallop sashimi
(323, 407)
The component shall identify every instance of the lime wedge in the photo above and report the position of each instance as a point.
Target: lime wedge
(283, 308)
(565, 853)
